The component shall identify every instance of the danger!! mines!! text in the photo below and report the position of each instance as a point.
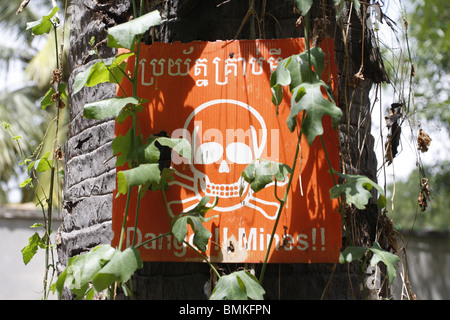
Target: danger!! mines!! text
(253, 239)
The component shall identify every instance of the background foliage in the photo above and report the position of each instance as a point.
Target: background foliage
(419, 57)
(26, 65)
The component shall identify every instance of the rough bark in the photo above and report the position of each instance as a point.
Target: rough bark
(90, 172)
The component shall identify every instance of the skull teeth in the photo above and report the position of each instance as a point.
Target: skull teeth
(223, 190)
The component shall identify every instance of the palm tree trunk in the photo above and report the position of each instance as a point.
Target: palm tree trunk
(90, 173)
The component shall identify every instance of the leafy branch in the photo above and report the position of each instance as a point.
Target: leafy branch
(105, 266)
(49, 161)
(352, 253)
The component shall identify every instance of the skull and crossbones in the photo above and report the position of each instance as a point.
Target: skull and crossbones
(225, 135)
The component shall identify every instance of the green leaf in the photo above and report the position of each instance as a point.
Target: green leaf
(304, 6)
(351, 254)
(141, 175)
(121, 146)
(43, 164)
(387, 258)
(308, 97)
(147, 154)
(261, 172)
(296, 70)
(195, 219)
(357, 190)
(30, 166)
(179, 145)
(166, 177)
(120, 268)
(128, 112)
(30, 250)
(91, 262)
(110, 70)
(81, 270)
(302, 72)
(43, 25)
(62, 90)
(102, 109)
(279, 78)
(99, 266)
(26, 182)
(339, 5)
(36, 225)
(239, 285)
(46, 100)
(124, 35)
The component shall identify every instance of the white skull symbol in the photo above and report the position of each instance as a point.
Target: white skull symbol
(224, 137)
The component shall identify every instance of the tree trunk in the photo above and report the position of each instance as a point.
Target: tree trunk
(90, 172)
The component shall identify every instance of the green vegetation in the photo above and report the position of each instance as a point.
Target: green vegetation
(408, 215)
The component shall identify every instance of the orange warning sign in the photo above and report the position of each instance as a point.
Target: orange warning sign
(217, 95)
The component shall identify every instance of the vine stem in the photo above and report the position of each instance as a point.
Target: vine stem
(184, 241)
(133, 128)
(153, 239)
(48, 218)
(203, 257)
(282, 203)
(167, 206)
(124, 221)
(136, 217)
(297, 150)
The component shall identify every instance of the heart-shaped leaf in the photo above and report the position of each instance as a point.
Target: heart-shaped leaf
(121, 146)
(101, 266)
(109, 70)
(195, 219)
(387, 258)
(304, 6)
(43, 25)
(28, 252)
(102, 109)
(120, 268)
(43, 164)
(351, 254)
(296, 70)
(308, 97)
(82, 268)
(124, 35)
(302, 73)
(357, 190)
(147, 173)
(261, 172)
(154, 143)
(239, 285)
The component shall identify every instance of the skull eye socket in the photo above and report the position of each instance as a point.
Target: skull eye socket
(208, 153)
(239, 152)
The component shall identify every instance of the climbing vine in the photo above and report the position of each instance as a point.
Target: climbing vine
(49, 162)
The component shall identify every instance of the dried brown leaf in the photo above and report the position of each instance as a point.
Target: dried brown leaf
(423, 141)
